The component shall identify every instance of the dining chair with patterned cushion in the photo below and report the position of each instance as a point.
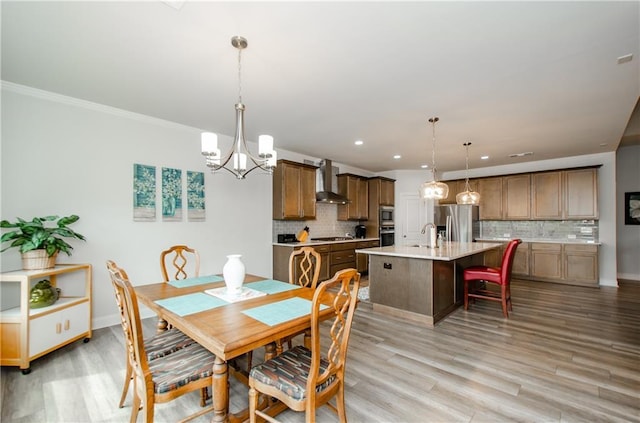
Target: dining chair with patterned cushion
(497, 275)
(304, 379)
(304, 270)
(166, 377)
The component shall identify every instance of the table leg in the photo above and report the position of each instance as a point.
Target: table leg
(162, 325)
(220, 390)
(307, 339)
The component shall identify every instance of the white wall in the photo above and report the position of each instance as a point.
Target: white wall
(628, 180)
(409, 182)
(66, 156)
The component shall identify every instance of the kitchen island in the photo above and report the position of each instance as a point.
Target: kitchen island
(420, 283)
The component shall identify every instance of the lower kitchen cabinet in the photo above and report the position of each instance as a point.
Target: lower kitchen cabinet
(546, 261)
(362, 260)
(343, 256)
(27, 333)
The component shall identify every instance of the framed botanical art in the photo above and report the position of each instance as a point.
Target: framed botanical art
(144, 193)
(632, 208)
(195, 196)
(171, 194)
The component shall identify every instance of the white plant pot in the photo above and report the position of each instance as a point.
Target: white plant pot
(233, 272)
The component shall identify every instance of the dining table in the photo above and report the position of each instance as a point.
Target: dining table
(229, 326)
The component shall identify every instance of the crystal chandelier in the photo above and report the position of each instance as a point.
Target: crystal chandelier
(235, 161)
(434, 190)
(467, 196)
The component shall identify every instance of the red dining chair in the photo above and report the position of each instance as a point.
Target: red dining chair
(498, 275)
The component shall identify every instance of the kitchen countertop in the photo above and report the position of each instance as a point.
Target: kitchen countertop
(311, 243)
(545, 240)
(450, 251)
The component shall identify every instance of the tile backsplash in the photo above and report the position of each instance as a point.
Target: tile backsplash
(584, 230)
(326, 224)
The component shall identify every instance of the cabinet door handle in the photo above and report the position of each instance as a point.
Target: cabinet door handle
(58, 328)
(67, 324)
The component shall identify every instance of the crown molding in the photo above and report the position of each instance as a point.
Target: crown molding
(88, 105)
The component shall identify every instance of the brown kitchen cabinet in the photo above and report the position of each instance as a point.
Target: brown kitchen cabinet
(342, 256)
(581, 264)
(490, 190)
(564, 194)
(294, 191)
(521, 267)
(356, 189)
(362, 260)
(516, 194)
(456, 187)
(546, 261)
(382, 191)
(581, 194)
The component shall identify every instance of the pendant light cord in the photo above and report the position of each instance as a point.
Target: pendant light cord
(466, 184)
(433, 120)
(239, 75)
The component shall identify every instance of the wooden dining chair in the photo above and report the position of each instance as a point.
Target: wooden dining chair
(182, 261)
(304, 270)
(304, 379)
(497, 275)
(166, 377)
(156, 346)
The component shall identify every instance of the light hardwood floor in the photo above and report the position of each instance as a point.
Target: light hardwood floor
(567, 354)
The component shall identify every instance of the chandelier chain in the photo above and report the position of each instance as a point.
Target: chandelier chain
(466, 184)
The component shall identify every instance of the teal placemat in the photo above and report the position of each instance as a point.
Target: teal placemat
(196, 281)
(281, 311)
(271, 286)
(191, 303)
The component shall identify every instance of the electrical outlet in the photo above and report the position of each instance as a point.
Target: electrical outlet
(506, 235)
(571, 236)
(586, 230)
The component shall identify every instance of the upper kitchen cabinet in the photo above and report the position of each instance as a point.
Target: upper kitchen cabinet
(516, 192)
(356, 189)
(581, 194)
(382, 191)
(294, 191)
(490, 190)
(456, 187)
(565, 194)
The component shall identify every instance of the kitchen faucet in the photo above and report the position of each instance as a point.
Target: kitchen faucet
(427, 225)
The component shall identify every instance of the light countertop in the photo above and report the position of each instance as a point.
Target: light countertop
(450, 251)
(310, 243)
(545, 240)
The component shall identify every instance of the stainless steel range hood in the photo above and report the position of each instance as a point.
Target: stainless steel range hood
(326, 187)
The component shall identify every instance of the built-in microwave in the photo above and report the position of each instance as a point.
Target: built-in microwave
(386, 216)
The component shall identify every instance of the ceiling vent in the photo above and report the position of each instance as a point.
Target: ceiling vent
(528, 153)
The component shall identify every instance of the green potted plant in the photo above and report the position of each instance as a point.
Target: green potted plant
(39, 243)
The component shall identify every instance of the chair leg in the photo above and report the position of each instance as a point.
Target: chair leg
(509, 298)
(253, 404)
(127, 382)
(466, 295)
(340, 405)
(204, 396)
(249, 361)
(135, 408)
(503, 294)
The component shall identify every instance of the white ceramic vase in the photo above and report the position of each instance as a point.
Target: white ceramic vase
(233, 272)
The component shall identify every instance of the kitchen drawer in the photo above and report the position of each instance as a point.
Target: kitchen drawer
(367, 244)
(340, 246)
(346, 256)
(324, 248)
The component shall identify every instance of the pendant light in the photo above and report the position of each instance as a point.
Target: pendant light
(467, 196)
(236, 160)
(434, 190)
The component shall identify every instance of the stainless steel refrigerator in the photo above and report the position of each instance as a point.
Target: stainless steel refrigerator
(459, 222)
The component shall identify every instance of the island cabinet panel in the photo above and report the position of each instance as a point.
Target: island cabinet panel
(444, 289)
(401, 283)
(294, 191)
(547, 196)
(546, 261)
(490, 190)
(581, 194)
(516, 192)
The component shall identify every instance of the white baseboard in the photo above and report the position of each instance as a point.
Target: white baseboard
(629, 276)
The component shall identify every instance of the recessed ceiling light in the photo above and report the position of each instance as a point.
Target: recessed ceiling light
(424, 166)
(526, 153)
(359, 142)
(484, 157)
(397, 156)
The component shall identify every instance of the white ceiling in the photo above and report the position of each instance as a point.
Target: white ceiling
(510, 77)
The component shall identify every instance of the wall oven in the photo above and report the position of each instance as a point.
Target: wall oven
(387, 235)
(386, 216)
